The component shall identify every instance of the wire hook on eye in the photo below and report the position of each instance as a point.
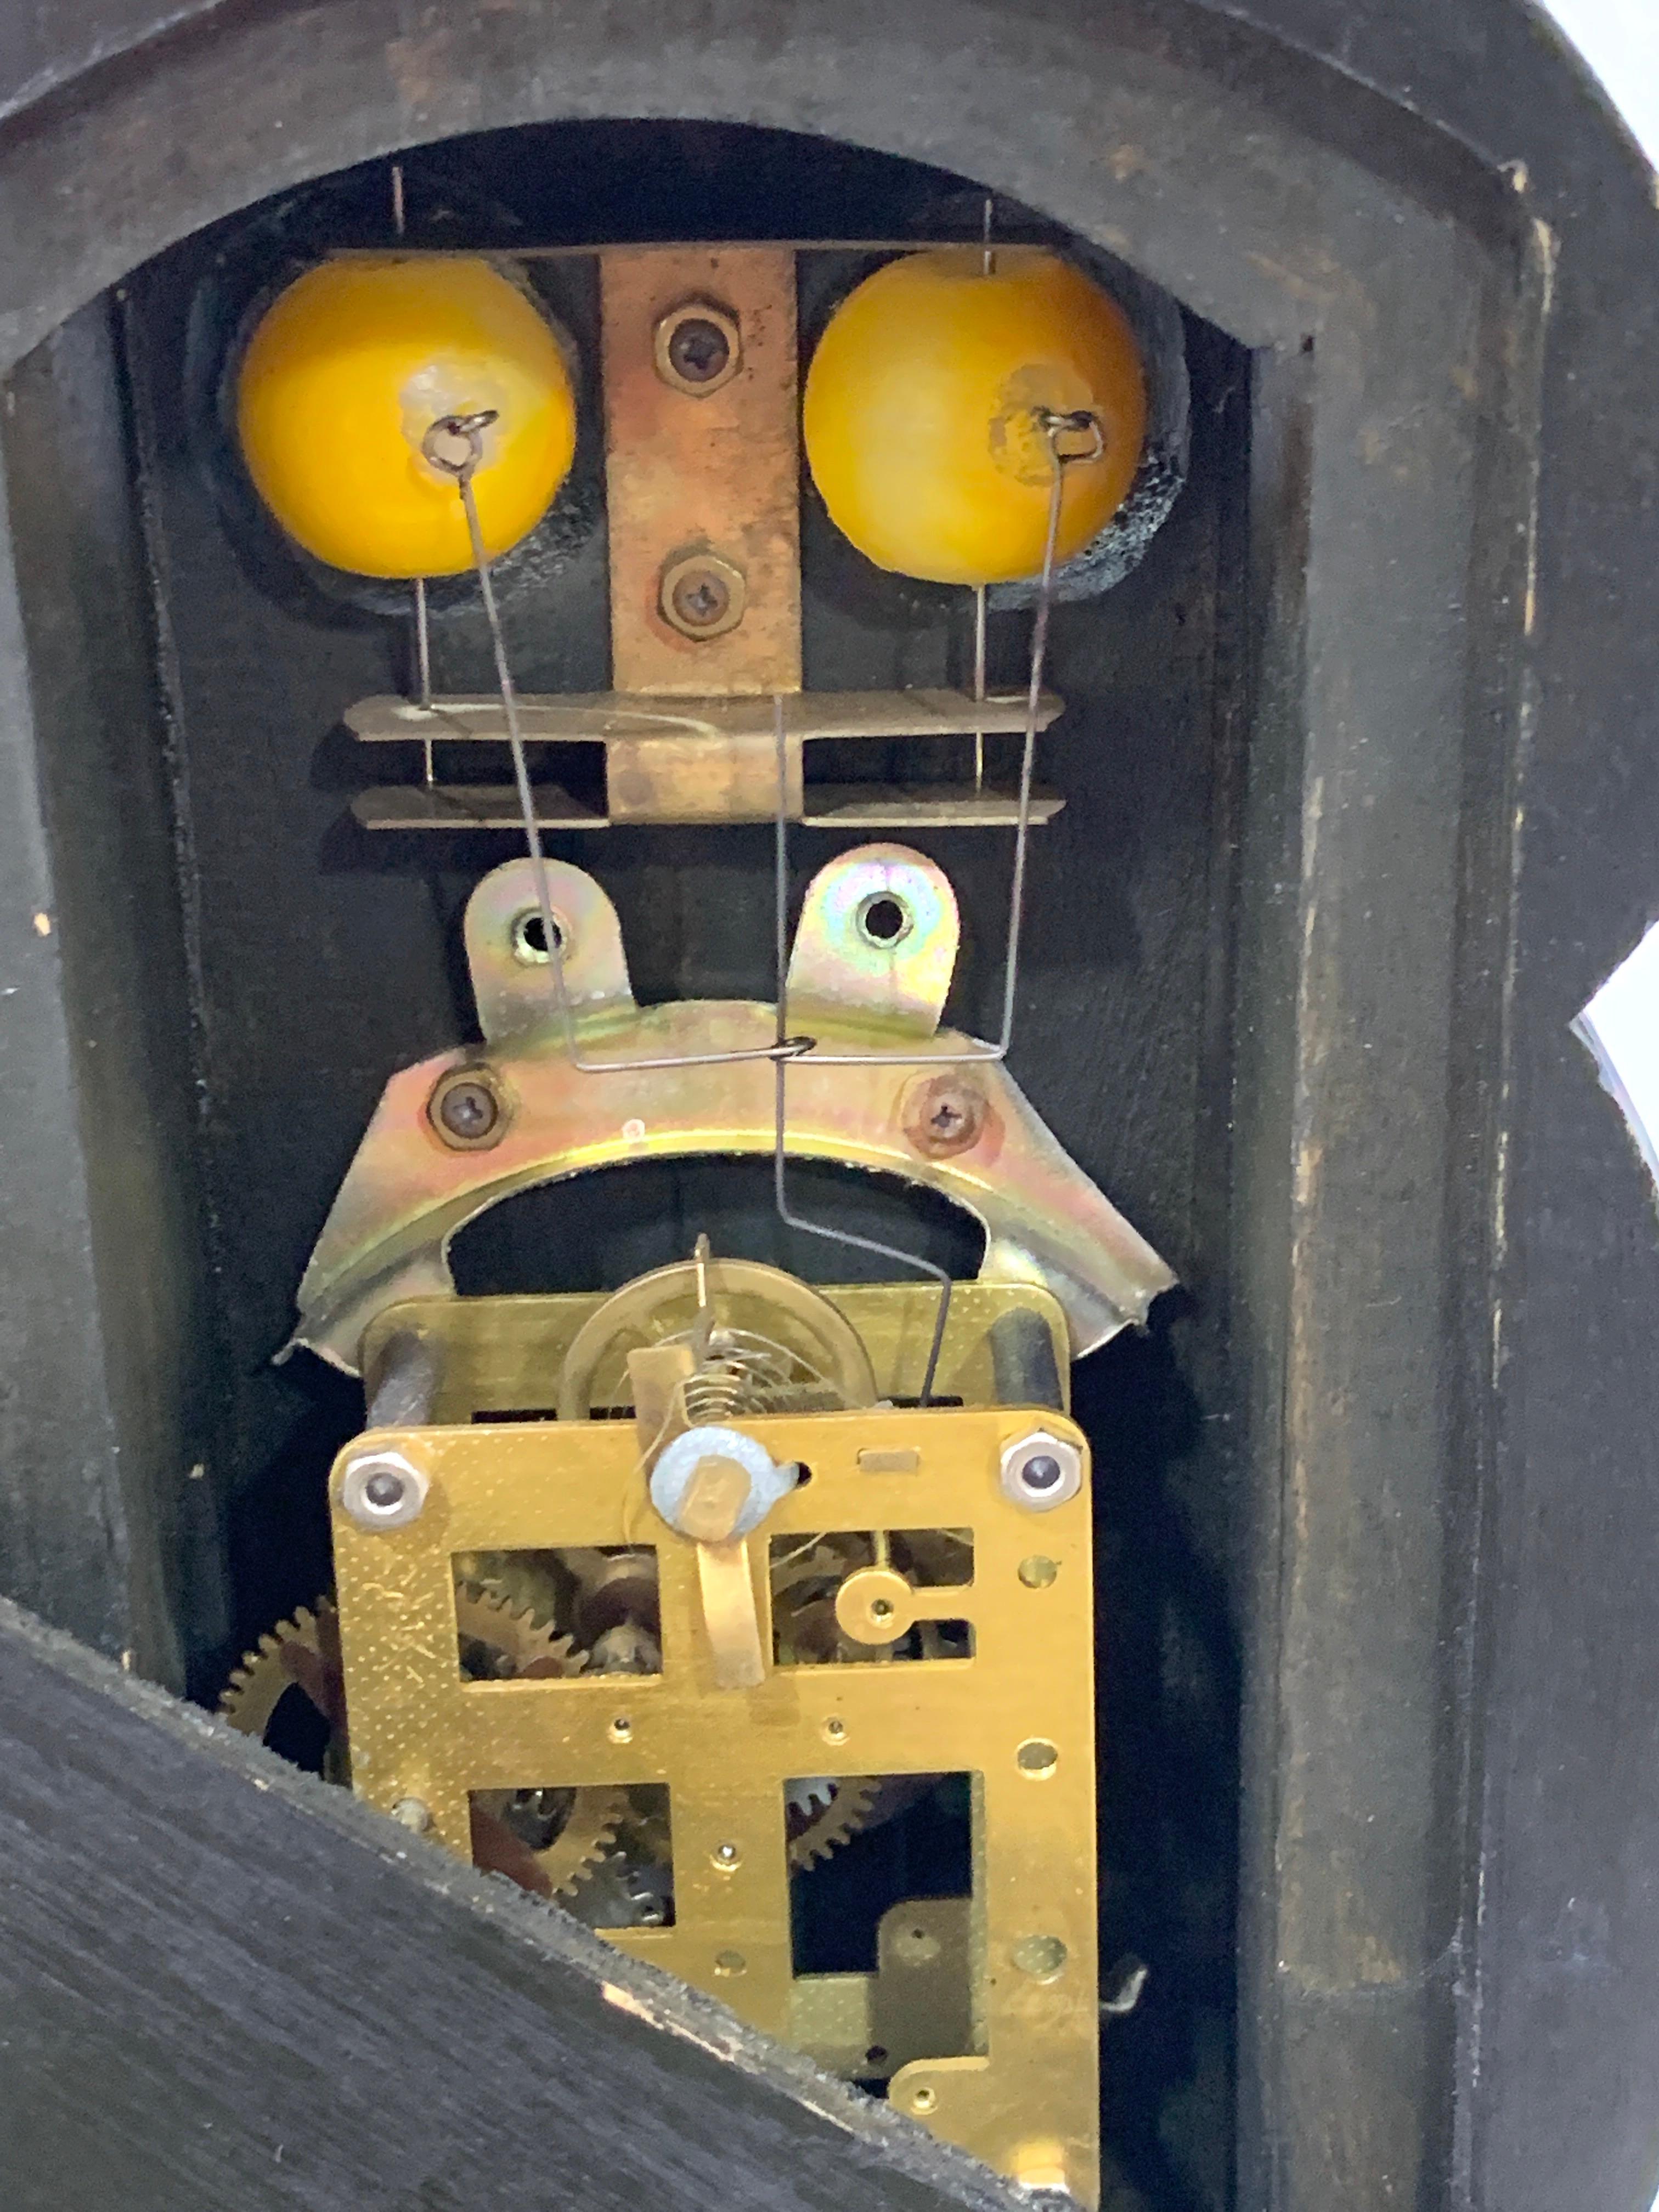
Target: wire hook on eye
(1075, 423)
(466, 430)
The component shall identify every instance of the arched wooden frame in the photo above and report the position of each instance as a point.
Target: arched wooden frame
(1444, 264)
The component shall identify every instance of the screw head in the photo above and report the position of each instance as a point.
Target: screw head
(944, 1115)
(383, 1489)
(699, 597)
(1040, 1471)
(467, 1109)
(702, 595)
(410, 1813)
(1042, 1957)
(698, 349)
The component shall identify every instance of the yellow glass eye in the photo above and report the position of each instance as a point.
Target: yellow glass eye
(921, 412)
(347, 372)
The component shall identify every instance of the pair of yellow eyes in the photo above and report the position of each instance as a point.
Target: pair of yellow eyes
(921, 418)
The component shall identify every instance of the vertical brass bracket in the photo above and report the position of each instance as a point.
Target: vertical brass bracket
(709, 473)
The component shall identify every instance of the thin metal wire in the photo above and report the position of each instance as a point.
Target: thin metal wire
(438, 446)
(1055, 426)
(781, 1078)
(466, 431)
(423, 665)
(422, 633)
(987, 267)
(979, 686)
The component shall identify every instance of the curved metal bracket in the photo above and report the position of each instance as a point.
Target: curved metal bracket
(965, 1132)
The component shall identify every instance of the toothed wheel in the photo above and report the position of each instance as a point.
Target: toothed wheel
(546, 1840)
(826, 1812)
(497, 1640)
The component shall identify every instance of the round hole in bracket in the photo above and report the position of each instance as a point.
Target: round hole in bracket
(923, 2098)
(529, 938)
(1036, 1758)
(622, 1729)
(1042, 1957)
(884, 921)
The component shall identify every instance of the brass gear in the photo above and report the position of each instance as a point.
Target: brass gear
(304, 1654)
(559, 1867)
(826, 1812)
(851, 1799)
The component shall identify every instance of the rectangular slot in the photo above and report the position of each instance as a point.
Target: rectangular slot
(605, 1851)
(881, 1918)
(870, 1596)
(544, 1616)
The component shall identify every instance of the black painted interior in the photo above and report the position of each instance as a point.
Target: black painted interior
(321, 957)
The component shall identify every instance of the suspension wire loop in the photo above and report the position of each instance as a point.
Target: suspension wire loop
(781, 1078)
(466, 432)
(467, 429)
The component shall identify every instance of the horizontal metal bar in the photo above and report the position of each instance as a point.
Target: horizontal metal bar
(594, 718)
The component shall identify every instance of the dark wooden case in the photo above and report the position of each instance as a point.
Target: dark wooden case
(1363, 776)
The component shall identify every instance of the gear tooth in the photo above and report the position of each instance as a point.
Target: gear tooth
(260, 1682)
(603, 1842)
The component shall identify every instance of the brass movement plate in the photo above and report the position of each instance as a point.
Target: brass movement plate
(1017, 1716)
(503, 1354)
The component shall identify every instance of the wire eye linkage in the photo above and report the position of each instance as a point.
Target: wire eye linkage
(439, 446)
(1075, 423)
(464, 430)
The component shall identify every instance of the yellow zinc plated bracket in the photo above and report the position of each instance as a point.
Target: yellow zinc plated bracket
(527, 1116)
